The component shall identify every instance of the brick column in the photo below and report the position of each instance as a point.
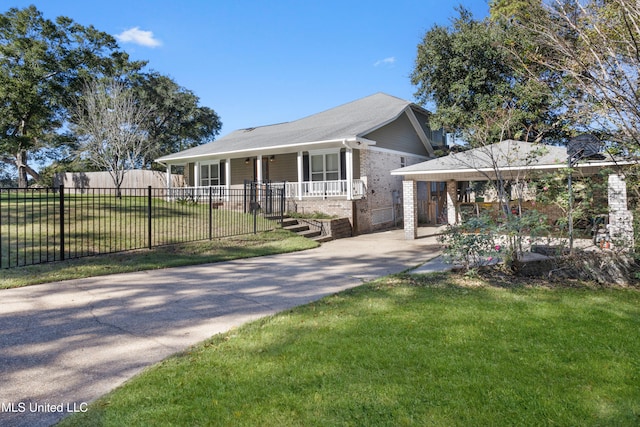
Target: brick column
(452, 195)
(620, 218)
(410, 207)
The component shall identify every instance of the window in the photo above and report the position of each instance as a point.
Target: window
(325, 166)
(209, 174)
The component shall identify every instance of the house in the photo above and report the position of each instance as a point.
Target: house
(436, 188)
(336, 162)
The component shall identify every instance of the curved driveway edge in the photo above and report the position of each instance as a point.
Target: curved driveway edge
(65, 344)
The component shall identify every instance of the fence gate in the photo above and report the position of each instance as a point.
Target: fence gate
(265, 197)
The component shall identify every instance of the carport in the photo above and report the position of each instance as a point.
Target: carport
(512, 161)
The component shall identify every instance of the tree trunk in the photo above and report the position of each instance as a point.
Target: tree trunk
(24, 169)
(21, 165)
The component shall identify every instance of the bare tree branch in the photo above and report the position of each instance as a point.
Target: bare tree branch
(110, 121)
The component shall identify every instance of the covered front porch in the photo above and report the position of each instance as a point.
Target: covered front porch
(324, 171)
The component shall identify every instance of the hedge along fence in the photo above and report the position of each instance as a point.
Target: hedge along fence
(52, 224)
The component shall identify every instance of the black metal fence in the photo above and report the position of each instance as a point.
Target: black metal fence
(51, 224)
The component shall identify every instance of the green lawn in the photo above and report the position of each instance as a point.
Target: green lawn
(31, 231)
(250, 245)
(403, 350)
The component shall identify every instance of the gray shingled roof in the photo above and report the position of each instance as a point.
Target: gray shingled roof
(509, 155)
(349, 121)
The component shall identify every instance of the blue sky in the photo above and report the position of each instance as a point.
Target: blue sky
(263, 62)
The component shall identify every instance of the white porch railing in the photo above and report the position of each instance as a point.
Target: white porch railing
(195, 194)
(325, 189)
(310, 189)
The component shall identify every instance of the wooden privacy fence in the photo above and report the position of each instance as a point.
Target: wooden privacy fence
(51, 224)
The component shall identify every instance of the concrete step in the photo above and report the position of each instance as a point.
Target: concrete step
(310, 234)
(297, 228)
(287, 222)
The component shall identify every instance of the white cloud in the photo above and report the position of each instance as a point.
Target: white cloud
(386, 61)
(137, 36)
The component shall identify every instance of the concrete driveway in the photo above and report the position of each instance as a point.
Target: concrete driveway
(65, 344)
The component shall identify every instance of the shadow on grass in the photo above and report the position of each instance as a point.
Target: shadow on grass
(406, 350)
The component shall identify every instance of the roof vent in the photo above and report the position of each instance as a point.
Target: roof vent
(249, 129)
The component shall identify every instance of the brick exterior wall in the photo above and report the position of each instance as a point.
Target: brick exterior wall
(377, 210)
(620, 218)
(410, 200)
(338, 228)
(340, 208)
(380, 210)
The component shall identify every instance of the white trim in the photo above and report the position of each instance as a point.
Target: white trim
(324, 151)
(300, 173)
(348, 159)
(198, 174)
(357, 140)
(466, 169)
(396, 117)
(416, 126)
(323, 154)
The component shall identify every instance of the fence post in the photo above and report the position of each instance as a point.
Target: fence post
(61, 212)
(255, 219)
(210, 213)
(149, 229)
(282, 203)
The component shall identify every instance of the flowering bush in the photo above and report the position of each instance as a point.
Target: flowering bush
(471, 244)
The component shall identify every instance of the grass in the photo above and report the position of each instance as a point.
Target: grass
(405, 350)
(251, 245)
(93, 224)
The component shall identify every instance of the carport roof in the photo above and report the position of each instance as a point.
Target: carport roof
(511, 157)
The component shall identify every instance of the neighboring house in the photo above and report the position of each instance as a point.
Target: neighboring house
(439, 184)
(337, 162)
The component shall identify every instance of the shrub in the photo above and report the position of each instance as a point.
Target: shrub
(472, 243)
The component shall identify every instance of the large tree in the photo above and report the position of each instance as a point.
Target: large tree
(480, 92)
(175, 121)
(41, 62)
(595, 45)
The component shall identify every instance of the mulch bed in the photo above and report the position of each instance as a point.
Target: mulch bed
(599, 269)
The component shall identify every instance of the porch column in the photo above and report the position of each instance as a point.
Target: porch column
(196, 174)
(300, 174)
(259, 168)
(227, 174)
(348, 158)
(169, 176)
(452, 194)
(410, 207)
(620, 218)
